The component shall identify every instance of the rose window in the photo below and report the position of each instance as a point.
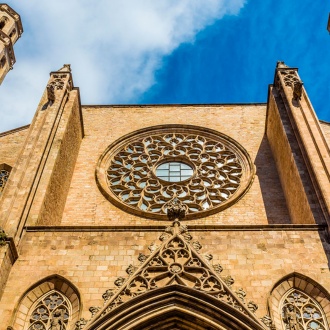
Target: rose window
(145, 171)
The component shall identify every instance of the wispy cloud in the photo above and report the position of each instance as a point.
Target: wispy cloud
(114, 47)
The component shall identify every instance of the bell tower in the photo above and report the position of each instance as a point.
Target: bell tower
(10, 30)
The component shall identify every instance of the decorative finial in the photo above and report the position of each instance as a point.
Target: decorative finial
(50, 93)
(281, 64)
(176, 210)
(65, 68)
(297, 90)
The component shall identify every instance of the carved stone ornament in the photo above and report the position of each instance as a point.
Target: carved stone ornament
(175, 262)
(130, 269)
(208, 256)
(297, 90)
(119, 281)
(94, 310)
(187, 237)
(176, 210)
(241, 294)
(3, 237)
(107, 295)
(252, 306)
(228, 280)
(301, 312)
(50, 93)
(197, 246)
(51, 313)
(59, 80)
(291, 79)
(281, 64)
(174, 172)
(80, 324)
(142, 257)
(218, 268)
(152, 247)
(267, 320)
(57, 83)
(163, 237)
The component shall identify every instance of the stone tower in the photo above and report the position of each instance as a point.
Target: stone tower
(10, 30)
(157, 217)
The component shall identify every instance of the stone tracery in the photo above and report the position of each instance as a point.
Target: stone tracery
(51, 313)
(222, 171)
(175, 263)
(301, 312)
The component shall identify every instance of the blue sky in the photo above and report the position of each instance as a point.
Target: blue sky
(167, 51)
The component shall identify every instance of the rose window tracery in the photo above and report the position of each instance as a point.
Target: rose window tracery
(301, 312)
(203, 169)
(51, 313)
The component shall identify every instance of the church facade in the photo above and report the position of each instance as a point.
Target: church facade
(166, 216)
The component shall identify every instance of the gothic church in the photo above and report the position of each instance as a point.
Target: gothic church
(187, 217)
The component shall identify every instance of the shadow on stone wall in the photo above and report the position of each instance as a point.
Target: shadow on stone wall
(270, 185)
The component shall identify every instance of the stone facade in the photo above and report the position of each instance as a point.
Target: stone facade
(71, 259)
(10, 30)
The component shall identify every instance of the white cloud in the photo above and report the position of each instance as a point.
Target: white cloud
(114, 47)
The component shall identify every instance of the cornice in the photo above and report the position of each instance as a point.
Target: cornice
(156, 228)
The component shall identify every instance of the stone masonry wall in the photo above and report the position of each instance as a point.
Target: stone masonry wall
(11, 143)
(5, 266)
(293, 172)
(61, 162)
(326, 130)
(93, 260)
(264, 203)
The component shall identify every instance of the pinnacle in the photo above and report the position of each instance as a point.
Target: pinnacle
(281, 64)
(65, 68)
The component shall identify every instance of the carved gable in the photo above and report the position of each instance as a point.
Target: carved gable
(176, 262)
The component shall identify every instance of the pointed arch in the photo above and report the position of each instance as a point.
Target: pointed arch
(54, 285)
(295, 284)
(175, 306)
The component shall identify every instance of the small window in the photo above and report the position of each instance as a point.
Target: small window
(174, 171)
(2, 62)
(3, 22)
(12, 33)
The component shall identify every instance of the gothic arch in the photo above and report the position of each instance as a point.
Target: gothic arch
(31, 297)
(302, 283)
(175, 307)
